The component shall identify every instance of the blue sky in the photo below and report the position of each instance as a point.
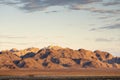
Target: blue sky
(88, 24)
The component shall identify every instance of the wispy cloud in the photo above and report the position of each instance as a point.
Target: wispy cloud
(103, 40)
(104, 17)
(118, 19)
(114, 26)
(107, 39)
(13, 43)
(97, 10)
(109, 17)
(52, 11)
(12, 36)
(112, 2)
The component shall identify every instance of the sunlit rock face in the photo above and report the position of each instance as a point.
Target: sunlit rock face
(101, 55)
(24, 51)
(55, 57)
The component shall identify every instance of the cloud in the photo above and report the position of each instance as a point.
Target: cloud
(109, 17)
(118, 19)
(112, 39)
(93, 9)
(104, 17)
(11, 36)
(39, 5)
(51, 11)
(114, 26)
(93, 29)
(13, 43)
(103, 40)
(42, 5)
(112, 2)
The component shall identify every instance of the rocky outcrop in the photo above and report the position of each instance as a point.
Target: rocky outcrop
(103, 55)
(6, 60)
(24, 51)
(114, 60)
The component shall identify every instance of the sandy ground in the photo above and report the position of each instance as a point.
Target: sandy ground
(65, 72)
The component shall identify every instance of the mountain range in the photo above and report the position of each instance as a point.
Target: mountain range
(55, 57)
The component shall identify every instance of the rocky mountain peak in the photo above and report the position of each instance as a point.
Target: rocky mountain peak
(14, 50)
(54, 47)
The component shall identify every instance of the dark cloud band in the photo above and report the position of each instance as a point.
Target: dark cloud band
(112, 2)
(37, 5)
(41, 5)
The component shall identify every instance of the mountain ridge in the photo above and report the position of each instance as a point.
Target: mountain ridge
(55, 57)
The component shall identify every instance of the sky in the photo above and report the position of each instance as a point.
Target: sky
(88, 24)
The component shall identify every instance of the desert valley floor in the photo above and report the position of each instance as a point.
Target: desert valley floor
(64, 72)
(81, 74)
